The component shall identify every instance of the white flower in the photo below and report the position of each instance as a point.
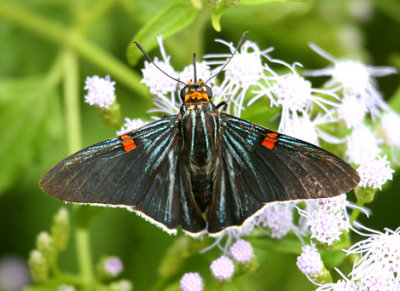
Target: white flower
(244, 70)
(375, 173)
(380, 252)
(340, 285)
(292, 93)
(222, 268)
(390, 125)
(157, 81)
(310, 262)
(302, 127)
(362, 145)
(278, 217)
(378, 281)
(327, 218)
(101, 91)
(191, 282)
(355, 79)
(131, 125)
(202, 72)
(325, 226)
(352, 111)
(166, 104)
(242, 251)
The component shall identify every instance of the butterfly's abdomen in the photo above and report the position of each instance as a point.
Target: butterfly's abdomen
(199, 127)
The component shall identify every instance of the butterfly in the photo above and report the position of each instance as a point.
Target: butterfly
(201, 169)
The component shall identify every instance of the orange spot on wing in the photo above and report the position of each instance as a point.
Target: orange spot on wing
(269, 142)
(129, 144)
(272, 134)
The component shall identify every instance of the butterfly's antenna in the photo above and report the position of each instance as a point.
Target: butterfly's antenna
(151, 61)
(227, 62)
(194, 68)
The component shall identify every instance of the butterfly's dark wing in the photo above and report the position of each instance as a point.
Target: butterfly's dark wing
(141, 170)
(257, 166)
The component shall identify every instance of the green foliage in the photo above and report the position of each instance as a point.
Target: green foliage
(27, 109)
(169, 21)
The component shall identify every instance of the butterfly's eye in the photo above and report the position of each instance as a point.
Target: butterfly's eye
(184, 92)
(209, 92)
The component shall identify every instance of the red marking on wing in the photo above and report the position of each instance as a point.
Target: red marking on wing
(269, 142)
(272, 134)
(129, 144)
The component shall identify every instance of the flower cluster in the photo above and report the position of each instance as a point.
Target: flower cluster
(377, 266)
(327, 218)
(43, 260)
(222, 268)
(309, 262)
(101, 91)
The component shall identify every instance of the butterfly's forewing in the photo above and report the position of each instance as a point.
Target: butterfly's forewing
(258, 166)
(141, 170)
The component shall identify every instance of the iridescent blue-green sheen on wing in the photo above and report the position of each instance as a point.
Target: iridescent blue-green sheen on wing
(249, 174)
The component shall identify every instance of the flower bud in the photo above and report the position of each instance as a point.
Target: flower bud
(222, 268)
(60, 230)
(38, 266)
(121, 285)
(45, 244)
(110, 267)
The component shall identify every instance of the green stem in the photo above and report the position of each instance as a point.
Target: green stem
(107, 62)
(74, 137)
(84, 256)
(54, 32)
(55, 74)
(356, 212)
(72, 101)
(71, 279)
(89, 20)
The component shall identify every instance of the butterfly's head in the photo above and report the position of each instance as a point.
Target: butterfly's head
(196, 91)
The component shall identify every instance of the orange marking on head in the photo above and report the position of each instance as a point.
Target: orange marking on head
(197, 95)
(129, 144)
(269, 143)
(272, 134)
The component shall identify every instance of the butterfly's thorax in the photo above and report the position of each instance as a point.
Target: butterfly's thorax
(199, 127)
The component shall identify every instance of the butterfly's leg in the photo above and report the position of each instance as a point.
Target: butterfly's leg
(223, 104)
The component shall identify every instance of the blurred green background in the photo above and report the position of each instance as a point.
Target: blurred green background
(48, 47)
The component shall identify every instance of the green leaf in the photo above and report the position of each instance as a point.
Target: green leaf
(395, 101)
(333, 259)
(258, 2)
(25, 105)
(290, 244)
(169, 21)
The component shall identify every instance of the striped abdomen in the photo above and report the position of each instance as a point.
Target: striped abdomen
(199, 127)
